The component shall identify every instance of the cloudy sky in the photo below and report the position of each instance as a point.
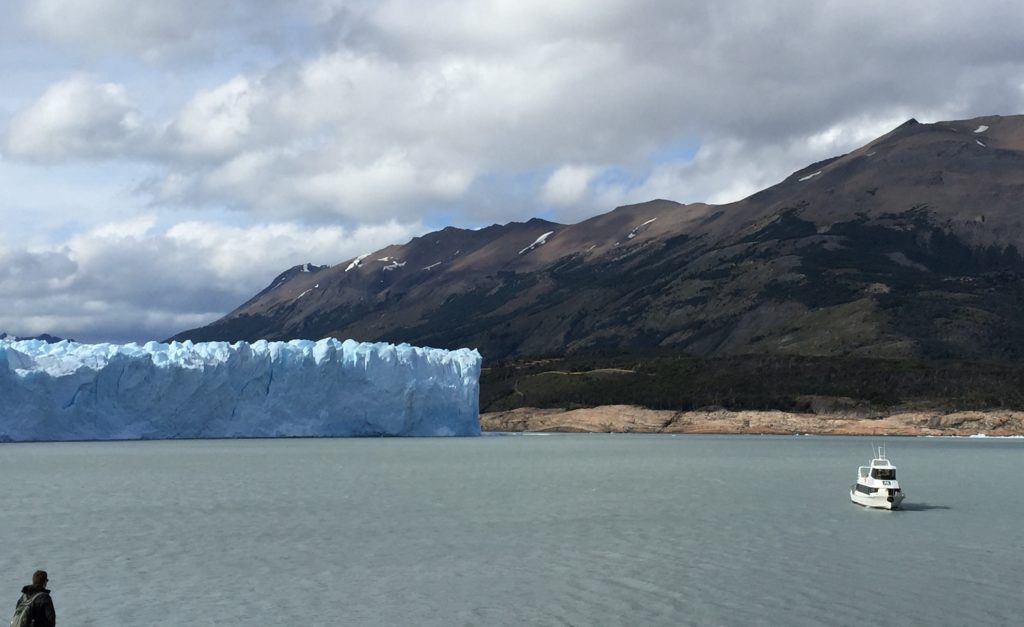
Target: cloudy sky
(160, 162)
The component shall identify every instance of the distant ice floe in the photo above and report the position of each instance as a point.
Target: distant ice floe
(540, 241)
(980, 144)
(809, 176)
(633, 233)
(981, 129)
(358, 261)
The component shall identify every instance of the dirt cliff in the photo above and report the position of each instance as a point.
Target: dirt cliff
(632, 419)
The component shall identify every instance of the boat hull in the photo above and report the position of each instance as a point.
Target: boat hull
(876, 501)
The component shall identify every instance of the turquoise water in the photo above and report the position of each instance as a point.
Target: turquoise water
(513, 530)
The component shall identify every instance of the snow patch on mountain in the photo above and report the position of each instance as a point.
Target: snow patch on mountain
(981, 129)
(636, 230)
(809, 176)
(357, 262)
(315, 287)
(540, 241)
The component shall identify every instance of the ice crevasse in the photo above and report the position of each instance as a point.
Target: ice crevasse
(72, 391)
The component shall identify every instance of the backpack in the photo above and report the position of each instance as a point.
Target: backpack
(22, 615)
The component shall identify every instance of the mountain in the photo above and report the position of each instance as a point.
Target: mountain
(909, 247)
(46, 337)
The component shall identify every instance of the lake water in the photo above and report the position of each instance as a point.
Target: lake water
(515, 530)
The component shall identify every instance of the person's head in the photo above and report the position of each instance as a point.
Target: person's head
(39, 579)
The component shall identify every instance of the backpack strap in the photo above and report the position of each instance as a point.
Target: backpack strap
(26, 600)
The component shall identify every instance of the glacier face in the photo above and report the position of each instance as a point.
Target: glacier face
(71, 391)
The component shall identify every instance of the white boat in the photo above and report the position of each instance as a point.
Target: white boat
(876, 484)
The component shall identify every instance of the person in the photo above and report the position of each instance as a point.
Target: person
(40, 612)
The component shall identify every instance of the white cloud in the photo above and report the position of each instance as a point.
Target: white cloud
(135, 227)
(389, 185)
(217, 121)
(233, 254)
(132, 281)
(567, 184)
(75, 118)
(728, 169)
(274, 183)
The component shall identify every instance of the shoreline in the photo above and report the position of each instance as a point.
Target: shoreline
(634, 419)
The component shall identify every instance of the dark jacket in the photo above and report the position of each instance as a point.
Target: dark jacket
(41, 612)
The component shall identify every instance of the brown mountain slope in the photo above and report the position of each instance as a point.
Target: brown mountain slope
(906, 247)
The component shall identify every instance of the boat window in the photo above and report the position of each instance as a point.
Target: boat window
(883, 473)
(865, 489)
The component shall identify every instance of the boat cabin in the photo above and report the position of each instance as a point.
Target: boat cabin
(883, 473)
(880, 469)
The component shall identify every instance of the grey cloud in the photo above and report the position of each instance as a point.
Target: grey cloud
(23, 273)
(170, 34)
(407, 94)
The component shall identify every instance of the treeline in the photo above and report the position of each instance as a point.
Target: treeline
(757, 382)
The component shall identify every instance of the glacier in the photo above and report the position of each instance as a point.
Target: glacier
(300, 388)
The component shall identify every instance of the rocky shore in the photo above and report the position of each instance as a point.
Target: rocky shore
(632, 419)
